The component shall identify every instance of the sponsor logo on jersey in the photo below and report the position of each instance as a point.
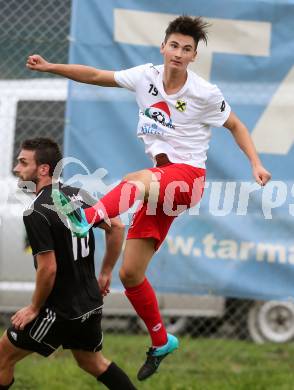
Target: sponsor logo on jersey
(153, 129)
(181, 105)
(160, 113)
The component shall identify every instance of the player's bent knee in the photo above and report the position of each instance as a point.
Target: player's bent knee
(88, 366)
(117, 225)
(94, 365)
(129, 277)
(142, 180)
(143, 177)
(132, 176)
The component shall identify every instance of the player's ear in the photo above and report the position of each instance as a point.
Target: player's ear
(162, 47)
(44, 169)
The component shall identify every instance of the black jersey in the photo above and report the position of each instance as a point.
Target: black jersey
(75, 291)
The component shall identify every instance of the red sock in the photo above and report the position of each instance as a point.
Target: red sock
(116, 202)
(144, 300)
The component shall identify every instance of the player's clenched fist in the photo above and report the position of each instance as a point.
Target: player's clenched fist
(36, 62)
(261, 175)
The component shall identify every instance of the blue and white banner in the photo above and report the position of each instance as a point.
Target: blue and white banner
(240, 240)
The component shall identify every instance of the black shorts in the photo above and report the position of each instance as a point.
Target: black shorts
(48, 331)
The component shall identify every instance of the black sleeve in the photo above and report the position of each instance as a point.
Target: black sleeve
(38, 231)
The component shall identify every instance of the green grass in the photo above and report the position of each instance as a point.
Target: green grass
(199, 364)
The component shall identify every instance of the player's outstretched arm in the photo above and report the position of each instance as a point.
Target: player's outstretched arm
(114, 237)
(244, 140)
(81, 73)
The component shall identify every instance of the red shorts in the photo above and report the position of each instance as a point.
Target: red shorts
(176, 187)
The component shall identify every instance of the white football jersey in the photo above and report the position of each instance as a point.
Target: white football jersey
(179, 124)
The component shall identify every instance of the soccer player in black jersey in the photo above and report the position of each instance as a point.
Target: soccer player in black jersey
(66, 305)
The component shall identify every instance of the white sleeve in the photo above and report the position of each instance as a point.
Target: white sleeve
(217, 110)
(129, 78)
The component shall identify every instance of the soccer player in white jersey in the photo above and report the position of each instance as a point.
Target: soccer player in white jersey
(177, 108)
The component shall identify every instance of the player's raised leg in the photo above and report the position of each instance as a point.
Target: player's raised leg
(137, 255)
(133, 186)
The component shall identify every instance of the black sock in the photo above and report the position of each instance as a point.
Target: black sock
(115, 378)
(6, 387)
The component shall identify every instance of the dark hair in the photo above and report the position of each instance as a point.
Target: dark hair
(47, 151)
(186, 25)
